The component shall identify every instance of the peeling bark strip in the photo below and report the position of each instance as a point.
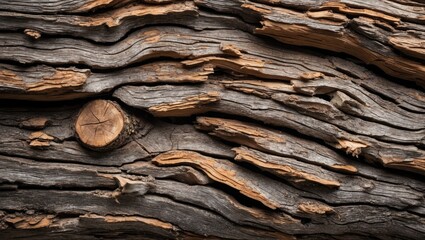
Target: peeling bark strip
(363, 30)
(275, 142)
(34, 83)
(287, 168)
(210, 119)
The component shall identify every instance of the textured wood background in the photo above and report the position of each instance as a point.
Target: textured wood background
(261, 119)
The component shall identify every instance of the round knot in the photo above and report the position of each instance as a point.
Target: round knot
(99, 124)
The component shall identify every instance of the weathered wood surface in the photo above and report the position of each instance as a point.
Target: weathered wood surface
(162, 119)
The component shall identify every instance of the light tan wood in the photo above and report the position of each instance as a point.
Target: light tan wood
(99, 124)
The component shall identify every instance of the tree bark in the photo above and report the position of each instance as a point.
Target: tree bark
(224, 119)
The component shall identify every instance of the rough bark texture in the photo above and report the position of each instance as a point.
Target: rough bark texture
(215, 119)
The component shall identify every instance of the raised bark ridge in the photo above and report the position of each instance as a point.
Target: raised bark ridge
(219, 119)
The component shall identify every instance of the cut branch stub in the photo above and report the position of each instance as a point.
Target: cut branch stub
(102, 125)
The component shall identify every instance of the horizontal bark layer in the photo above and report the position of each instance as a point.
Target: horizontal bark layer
(316, 191)
(387, 34)
(385, 149)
